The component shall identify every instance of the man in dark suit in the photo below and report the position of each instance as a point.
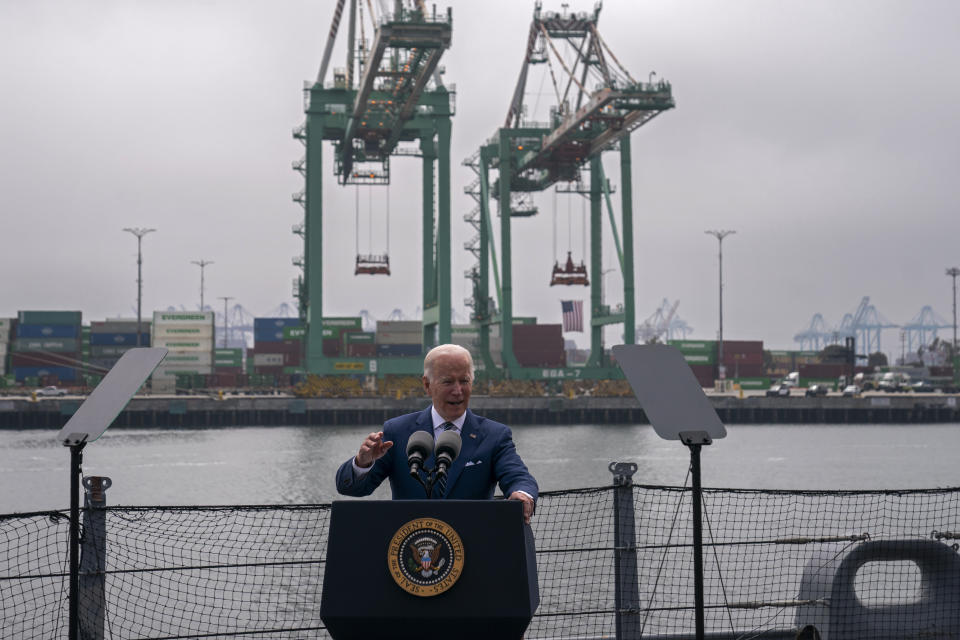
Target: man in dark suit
(488, 456)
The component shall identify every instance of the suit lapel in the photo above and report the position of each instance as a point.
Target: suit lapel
(470, 436)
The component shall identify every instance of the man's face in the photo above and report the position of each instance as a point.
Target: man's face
(449, 385)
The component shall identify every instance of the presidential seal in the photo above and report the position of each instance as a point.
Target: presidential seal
(425, 557)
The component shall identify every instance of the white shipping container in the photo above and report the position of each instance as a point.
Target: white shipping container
(183, 317)
(186, 369)
(4, 335)
(6, 323)
(183, 331)
(400, 326)
(3, 349)
(185, 344)
(191, 358)
(268, 359)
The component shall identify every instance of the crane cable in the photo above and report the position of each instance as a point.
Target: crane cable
(546, 37)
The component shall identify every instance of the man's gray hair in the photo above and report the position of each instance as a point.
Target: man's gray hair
(442, 350)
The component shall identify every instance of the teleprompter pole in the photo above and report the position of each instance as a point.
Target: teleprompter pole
(76, 460)
(694, 441)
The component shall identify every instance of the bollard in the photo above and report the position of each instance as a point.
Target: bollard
(93, 559)
(627, 587)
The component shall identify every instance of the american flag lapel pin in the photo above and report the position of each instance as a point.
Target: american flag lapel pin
(473, 435)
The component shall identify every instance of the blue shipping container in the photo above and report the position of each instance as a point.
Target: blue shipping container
(118, 339)
(267, 334)
(399, 350)
(275, 323)
(48, 330)
(65, 374)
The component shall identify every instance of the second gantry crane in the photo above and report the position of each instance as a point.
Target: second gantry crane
(598, 105)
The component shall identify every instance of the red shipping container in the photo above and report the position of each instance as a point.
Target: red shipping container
(331, 347)
(269, 371)
(537, 336)
(542, 360)
(282, 346)
(704, 373)
(745, 371)
(358, 350)
(730, 359)
(743, 346)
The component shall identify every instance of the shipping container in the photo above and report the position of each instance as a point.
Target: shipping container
(267, 334)
(394, 337)
(43, 358)
(744, 370)
(399, 350)
(119, 326)
(48, 330)
(331, 347)
(361, 350)
(98, 351)
(7, 323)
(183, 331)
(742, 346)
(5, 335)
(700, 358)
(63, 374)
(731, 359)
(267, 360)
(71, 345)
(360, 337)
(129, 339)
(50, 317)
(294, 333)
(193, 358)
(166, 318)
(698, 346)
(285, 346)
(823, 371)
(185, 344)
(756, 383)
(275, 323)
(705, 374)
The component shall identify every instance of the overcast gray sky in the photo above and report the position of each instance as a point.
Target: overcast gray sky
(824, 131)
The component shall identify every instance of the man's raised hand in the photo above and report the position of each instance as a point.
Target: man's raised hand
(372, 449)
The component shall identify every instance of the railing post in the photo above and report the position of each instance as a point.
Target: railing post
(627, 587)
(93, 559)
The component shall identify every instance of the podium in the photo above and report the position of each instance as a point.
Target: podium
(405, 569)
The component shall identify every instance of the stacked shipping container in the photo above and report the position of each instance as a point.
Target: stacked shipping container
(701, 356)
(539, 345)
(46, 349)
(107, 340)
(399, 338)
(743, 358)
(188, 337)
(277, 346)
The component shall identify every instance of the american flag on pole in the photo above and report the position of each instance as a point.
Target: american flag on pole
(572, 315)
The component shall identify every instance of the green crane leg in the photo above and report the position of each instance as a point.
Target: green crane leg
(596, 261)
(482, 296)
(443, 230)
(313, 247)
(506, 304)
(429, 265)
(626, 206)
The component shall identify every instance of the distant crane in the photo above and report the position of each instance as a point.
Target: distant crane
(664, 324)
(816, 336)
(922, 330)
(865, 325)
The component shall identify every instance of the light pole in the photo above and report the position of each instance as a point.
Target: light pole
(139, 232)
(225, 299)
(953, 272)
(201, 264)
(720, 235)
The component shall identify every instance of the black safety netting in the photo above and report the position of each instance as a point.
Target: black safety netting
(611, 561)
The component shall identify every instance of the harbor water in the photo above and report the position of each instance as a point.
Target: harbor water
(283, 465)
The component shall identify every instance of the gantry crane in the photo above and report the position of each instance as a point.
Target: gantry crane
(393, 96)
(530, 157)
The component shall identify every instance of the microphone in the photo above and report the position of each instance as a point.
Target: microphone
(419, 448)
(448, 448)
